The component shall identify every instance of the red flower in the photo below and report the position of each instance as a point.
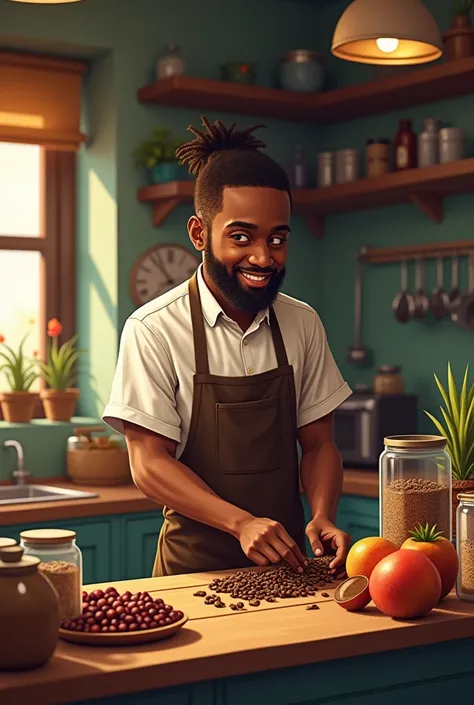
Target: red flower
(54, 328)
(35, 353)
(244, 68)
(2, 338)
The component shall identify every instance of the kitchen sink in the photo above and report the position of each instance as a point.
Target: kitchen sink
(19, 494)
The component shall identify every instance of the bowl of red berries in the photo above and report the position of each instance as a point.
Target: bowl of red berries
(111, 619)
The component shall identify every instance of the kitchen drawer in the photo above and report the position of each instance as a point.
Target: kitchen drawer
(140, 536)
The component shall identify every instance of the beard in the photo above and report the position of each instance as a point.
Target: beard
(246, 300)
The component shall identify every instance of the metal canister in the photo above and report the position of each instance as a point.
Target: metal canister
(428, 144)
(451, 145)
(377, 158)
(347, 165)
(325, 169)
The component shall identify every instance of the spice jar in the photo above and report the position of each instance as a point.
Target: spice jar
(302, 70)
(377, 154)
(405, 147)
(347, 165)
(61, 562)
(29, 611)
(388, 380)
(170, 64)
(465, 545)
(415, 486)
(428, 144)
(451, 145)
(325, 169)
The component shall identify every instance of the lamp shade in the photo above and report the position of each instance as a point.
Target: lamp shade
(46, 2)
(387, 33)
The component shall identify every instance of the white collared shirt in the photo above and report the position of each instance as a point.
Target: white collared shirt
(153, 381)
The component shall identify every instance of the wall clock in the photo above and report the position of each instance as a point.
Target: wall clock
(159, 269)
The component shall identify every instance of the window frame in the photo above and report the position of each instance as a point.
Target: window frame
(57, 245)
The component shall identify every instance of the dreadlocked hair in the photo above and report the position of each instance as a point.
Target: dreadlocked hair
(225, 157)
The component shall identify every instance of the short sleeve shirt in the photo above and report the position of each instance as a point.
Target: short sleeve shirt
(153, 381)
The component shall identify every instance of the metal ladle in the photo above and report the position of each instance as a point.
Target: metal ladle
(357, 353)
(403, 305)
(422, 302)
(440, 304)
(455, 294)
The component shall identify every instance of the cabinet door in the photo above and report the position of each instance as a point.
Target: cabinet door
(358, 516)
(140, 536)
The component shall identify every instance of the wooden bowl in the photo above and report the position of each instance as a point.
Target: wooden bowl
(353, 594)
(113, 639)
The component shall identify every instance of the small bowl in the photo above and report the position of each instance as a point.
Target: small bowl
(353, 594)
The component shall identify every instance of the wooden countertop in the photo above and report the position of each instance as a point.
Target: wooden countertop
(221, 643)
(127, 499)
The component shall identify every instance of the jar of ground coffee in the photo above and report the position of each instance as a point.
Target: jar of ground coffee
(415, 486)
(465, 545)
(61, 563)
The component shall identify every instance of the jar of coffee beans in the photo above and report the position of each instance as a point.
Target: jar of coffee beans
(61, 564)
(415, 486)
(465, 546)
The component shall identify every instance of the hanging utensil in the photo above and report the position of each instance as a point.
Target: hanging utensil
(403, 305)
(357, 353)
(440, 304)
(455, 294)
(462, 313)
(422, 302)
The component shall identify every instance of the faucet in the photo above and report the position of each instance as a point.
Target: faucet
(20, 475)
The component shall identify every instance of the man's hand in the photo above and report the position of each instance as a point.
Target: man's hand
(265, 541)
(323, 535)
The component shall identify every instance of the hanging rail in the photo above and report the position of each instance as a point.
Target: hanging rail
(379, 255)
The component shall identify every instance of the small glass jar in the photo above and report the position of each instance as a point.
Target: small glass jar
(170, 64)
(388, 380)
(465, 546)
(347, 165)
(451, 145)
(303, 71)
(326, 169)
(377, 154)
(414, 486)
(61, 563)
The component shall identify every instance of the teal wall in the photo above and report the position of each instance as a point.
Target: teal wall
(421, 348)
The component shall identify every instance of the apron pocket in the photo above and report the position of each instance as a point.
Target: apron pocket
(249, 437)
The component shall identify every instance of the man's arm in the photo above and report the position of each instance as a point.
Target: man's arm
(321, 468)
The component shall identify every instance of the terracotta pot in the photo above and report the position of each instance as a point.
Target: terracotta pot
(460, 486)
(18, 407)
(459, 40)
(59, 404)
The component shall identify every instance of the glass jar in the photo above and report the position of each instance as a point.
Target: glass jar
(414, 486)
(170, 64)
(61, 563)
(451, 145)
(29, 611)
(388, 380)
(302, 71)
(377, 154)
(347, 165)
(326, 169)
(465, 546)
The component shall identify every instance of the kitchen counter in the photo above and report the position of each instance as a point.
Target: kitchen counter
(326, 653)
(127, 499)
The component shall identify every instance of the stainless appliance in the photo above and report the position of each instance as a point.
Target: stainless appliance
(362, 422)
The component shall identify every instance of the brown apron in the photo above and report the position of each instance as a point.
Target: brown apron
(242, 443)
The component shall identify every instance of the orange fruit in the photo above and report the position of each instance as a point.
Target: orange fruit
(366, 553)
(439, 550)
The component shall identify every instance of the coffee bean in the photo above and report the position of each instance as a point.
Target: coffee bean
(240, 605)
(199, 593)
(233, 607)
(254, 603)
(312, 607)
(324, 594)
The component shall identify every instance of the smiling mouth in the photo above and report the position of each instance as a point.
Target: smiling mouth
(255, 280)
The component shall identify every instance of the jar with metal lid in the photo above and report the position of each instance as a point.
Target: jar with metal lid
(61, 563)
(451, 145)
(428, 143)
(414, 486)
(389, 380)
(377, 154)
(96, 458)
(326, 170)
(29, 611)
(465, 545)
(302, 70)
(347, 165)
(171, 63)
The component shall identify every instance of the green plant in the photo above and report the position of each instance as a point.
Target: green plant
(458, 418)
(160, 148)
(462, 7)
(20, 370)
(59, 369)
(425, 534)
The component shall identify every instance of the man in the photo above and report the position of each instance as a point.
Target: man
(218, 379)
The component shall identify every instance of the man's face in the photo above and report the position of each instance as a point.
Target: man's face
(245, 253)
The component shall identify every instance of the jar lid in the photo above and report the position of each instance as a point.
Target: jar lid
(468, 496)
(12, 560)
(6, 542)
(302, 55)
(47, 537)
(415, 441)
(389, 369)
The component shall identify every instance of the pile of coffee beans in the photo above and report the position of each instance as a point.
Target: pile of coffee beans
(269, 585)
(107, 611)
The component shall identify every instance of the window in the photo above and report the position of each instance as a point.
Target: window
(37, 242)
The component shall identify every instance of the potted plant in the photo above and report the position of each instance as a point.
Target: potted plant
(158, 156)
(459, 39)
(58, 371)
(458, 429)
(18, 404)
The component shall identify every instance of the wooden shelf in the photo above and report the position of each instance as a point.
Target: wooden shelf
(425, 188)
(439, 81)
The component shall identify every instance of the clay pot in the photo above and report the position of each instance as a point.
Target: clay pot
(59, 404)
(18, 407)
(459, 40)
(29, 612)
(458, 487)
(353, 594)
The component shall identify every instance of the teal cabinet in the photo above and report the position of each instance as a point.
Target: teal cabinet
(140, 535)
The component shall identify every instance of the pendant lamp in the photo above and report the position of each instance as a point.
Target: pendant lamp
(46, 2)
(387, 33)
